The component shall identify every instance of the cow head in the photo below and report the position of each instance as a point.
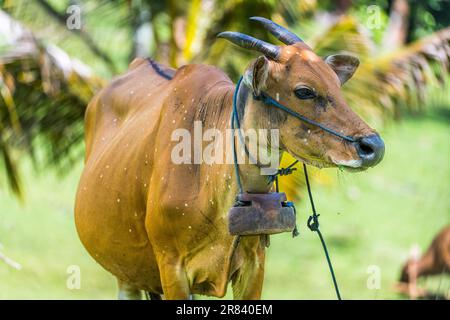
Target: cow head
(309, 85)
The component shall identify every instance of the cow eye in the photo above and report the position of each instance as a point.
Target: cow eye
(305, 93)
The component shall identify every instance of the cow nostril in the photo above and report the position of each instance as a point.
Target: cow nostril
(370, 149)
(365, 148)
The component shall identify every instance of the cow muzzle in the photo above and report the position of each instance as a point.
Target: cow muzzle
(370, 150)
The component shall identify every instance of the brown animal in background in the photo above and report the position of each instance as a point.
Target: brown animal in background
(435, 261)
(162, 227)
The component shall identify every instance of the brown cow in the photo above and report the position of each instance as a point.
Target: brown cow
(162, 227)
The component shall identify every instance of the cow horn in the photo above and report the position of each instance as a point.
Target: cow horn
(281, 33)
(269, 50)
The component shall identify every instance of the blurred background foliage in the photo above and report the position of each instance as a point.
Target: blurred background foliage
(48, 71)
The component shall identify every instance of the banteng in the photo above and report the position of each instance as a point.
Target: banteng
(162, 227)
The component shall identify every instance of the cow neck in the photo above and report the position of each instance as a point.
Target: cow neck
(250, 173)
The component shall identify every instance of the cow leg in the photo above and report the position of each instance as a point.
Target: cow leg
(174, 280)
(247, 282)
(128, 292)
(152, 296)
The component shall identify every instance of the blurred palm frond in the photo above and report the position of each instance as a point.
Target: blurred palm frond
(43, 95)
(387, 83)
(344, 35)
(391, 84)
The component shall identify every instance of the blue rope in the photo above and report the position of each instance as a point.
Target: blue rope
(235, 118)
(158, 69)
(313, 225)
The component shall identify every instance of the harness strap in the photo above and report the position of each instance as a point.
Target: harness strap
(235, 119)
(265, 98)
(158, 69)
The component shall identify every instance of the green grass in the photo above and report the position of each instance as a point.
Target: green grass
(41, 236)
(370, 218)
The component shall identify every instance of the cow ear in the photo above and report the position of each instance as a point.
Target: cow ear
(344, 65)
(256, 75)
